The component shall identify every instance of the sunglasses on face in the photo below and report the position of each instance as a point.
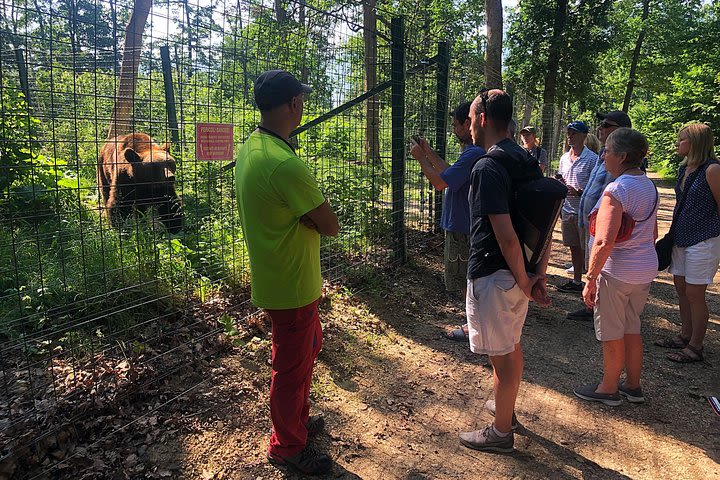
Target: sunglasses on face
(608, 125)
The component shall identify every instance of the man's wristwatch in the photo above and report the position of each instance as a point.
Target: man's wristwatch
(590, 278)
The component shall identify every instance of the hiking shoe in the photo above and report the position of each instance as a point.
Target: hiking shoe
(583, 315)
(486, 440)
(633, 395)
(315, 424)
(490, 406)
(308, 461)
(587, 392)
(571, 287)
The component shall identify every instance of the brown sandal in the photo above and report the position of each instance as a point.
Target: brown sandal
(689, 354)
(672, 342)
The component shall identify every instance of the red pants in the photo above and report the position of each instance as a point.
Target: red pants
(296, 342)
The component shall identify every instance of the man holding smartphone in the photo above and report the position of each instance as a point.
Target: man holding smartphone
(455, 181)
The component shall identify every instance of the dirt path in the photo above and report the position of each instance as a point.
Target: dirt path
(396, 394)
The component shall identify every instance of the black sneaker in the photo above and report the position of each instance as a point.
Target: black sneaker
(587, 392)
(571, 287)
(583, 315)
(307, 462)
(633, 395)
(487, 440)
(315, 424)
(490, 406)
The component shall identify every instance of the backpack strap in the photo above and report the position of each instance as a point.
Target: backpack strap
(508, 164)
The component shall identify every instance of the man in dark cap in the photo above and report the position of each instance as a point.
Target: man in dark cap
(599, 179)
(529, 141)
(575, 168)
(282, 214)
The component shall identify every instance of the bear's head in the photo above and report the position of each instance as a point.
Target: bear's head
(153, 172)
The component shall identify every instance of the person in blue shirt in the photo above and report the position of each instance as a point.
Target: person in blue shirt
(599, 179)
(455, 221)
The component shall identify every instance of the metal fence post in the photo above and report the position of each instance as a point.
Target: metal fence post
(22, 73)
(169, 95)
(441, 116)
(397, 30)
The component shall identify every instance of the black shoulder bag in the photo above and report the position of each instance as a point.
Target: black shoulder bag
(664, 246)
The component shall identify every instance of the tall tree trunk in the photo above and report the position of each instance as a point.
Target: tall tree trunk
(72, 27)
(243, 51)
(527, 112)
(304, 68)
(372, 106)
(636, 57)
(493, 52)
(280, 14)
(186, 7)
(553, 65)
(41, 20)
(121, 120)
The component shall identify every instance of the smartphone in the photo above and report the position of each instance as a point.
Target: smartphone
(414, 140)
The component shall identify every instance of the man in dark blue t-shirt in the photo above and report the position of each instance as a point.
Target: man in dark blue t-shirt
(499, 288)
(455, 180)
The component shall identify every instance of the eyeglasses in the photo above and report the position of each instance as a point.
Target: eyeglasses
(607, 125)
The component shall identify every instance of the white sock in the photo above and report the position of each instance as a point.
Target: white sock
(499, 433)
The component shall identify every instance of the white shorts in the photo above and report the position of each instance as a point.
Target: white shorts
(697, 263)
(496, 310)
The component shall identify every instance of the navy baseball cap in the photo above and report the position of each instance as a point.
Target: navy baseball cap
(276, 87)
(578, 126)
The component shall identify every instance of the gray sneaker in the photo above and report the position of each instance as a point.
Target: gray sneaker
(633, 395)
(490, 406)
(587, 392)
(486, 440)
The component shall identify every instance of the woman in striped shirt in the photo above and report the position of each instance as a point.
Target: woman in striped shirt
(622, 265)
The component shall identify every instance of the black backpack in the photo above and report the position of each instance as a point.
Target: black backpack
(535, 206)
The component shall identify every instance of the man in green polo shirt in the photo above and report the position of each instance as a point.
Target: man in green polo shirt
(282, 214)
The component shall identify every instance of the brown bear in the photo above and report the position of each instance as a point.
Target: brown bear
(135, 174)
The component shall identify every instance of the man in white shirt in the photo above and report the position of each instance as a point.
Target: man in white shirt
(575, 168)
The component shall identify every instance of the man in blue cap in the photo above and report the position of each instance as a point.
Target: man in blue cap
(283, 213)
(575, 168)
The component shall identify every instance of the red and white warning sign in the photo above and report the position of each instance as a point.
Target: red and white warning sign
(214, 141)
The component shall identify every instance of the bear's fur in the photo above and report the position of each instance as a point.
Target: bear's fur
(135, 174)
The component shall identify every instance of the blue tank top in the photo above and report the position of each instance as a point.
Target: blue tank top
(698, 220)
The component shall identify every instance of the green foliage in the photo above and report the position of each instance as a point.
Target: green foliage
(18, 137)
(529, 36)
(230, 328)
(677, 74)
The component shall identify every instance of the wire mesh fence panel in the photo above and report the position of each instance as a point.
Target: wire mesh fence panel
(122, 254)
(101, 299)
